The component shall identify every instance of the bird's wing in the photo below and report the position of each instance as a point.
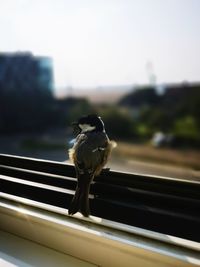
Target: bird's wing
(91, 152)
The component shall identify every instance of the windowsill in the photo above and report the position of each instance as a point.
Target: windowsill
(16, 251)
(93, 240)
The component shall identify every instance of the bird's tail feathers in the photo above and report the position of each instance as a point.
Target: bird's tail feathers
(74, 205)
(80, 201)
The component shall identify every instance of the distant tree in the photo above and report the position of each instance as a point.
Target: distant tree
(80, 108)
(187, 128)
(70, 109)
(176, 111)
(119, 124)
(141, 97)
(182, 100)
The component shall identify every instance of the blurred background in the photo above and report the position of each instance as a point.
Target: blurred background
(135, 63)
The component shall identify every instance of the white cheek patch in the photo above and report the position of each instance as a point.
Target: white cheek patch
(86, 127)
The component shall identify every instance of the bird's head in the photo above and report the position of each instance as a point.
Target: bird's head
(90, 123)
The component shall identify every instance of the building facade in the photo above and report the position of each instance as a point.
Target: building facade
(26, 92)
(26, 73)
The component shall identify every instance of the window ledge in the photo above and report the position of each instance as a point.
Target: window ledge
(95, 240)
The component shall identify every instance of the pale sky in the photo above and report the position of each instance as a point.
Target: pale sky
(107, 42)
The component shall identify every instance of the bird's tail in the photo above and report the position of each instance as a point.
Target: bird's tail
(80, 201)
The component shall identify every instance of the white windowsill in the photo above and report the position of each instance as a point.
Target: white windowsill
(101, 242)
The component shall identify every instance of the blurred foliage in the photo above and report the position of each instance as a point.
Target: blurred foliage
(118, 122)
(136, 118)
(187, 127)
(23, 113)
(145, 96)
(144, 131)
(69, 109)
(174, 112)
(81, 108)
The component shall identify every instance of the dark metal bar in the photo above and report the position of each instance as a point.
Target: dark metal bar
(153, 183)
(163, 205)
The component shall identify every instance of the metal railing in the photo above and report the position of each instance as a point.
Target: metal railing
(168, 206)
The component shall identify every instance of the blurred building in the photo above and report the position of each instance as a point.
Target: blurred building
(25, 72)
(26, 92)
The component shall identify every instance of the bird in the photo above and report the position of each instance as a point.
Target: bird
(90, 153)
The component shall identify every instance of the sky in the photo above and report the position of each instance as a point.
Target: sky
(107, 42)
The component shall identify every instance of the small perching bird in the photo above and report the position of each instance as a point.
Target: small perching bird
(89, 154)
